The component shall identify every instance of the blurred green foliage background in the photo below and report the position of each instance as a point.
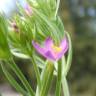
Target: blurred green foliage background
(79, 18)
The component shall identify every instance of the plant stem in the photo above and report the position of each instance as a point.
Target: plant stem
(65, 87)
(46, 79)
(41, 77)
(59, 79)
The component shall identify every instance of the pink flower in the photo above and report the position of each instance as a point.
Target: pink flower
(50, 51)
(28, 9)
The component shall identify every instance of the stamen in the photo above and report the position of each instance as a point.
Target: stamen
(56, 49)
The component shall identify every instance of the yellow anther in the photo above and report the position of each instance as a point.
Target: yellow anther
(56, 49)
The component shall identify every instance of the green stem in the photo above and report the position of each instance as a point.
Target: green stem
(41, 77)
(59, 80)
(36, 72)
(47, 78)
(18, 72)
(65, 87)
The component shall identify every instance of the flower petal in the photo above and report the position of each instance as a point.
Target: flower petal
(50, 55)
(64, 43)
(44, 51)
(47, 50)
(38, 48)
(48, 43)
(28, 9)
(64, 46)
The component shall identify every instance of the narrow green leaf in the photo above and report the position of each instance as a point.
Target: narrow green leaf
(12, 81)
(18, 72)
(54, 32)
(19, 55)
(65, 86)
(40, 63)
(36, 71)
(63, 65)
(4, 48)
(69, 58)
(57, 8)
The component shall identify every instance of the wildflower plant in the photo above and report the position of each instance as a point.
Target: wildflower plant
(36, 33)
